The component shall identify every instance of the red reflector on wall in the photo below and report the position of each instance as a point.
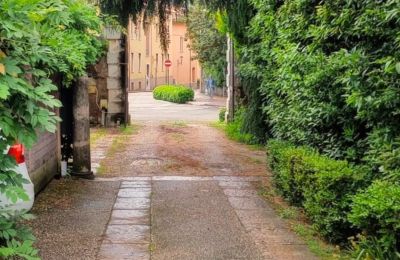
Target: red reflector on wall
(17, 151)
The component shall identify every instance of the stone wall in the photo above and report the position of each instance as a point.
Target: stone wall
(109, 92)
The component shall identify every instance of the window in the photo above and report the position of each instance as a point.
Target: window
(132, 62)
(147, 42)
(193, 74)
(156, 62)
(162, 62)
(132, 85)
(148, 70)
(137, 30)
(157, 30)
(133, 30)
(140, 85)
(140, 62)
(181, 44)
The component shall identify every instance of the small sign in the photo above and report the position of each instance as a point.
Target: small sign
(167, 63)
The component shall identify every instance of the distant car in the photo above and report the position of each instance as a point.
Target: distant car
(17, 151)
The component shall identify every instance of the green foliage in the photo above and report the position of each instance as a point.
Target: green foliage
(371, 248)
(173, 93)
(16, 239)
(324, 187)
(221, 115)
(39, 41)
(125, 9)
(234, 129)
(376, 211)
(207, 42)
(328, 72)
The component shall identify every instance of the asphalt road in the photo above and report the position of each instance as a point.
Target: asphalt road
(142, 107)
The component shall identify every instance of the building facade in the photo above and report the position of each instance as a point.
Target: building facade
(145, 58)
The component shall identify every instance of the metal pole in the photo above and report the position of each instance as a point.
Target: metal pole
(190, 68)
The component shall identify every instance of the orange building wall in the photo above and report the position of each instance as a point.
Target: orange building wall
(150, 71)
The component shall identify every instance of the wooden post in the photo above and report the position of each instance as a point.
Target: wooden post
(81, 150)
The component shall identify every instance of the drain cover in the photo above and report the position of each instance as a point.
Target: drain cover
(146, 162)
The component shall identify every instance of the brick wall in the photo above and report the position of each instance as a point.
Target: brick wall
(41, 160)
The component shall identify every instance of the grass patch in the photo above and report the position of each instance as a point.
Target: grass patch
(179, 124)
(96, 134)
(288, 213)
(234, 134)
(178, 137)
(298, 223)
(119, 143)
(176, 124)
(129, 129)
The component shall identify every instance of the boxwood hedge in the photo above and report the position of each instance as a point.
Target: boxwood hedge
(173, 93)
(322, 186)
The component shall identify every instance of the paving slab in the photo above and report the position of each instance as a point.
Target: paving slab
(127, 234)
(134, 193)
(123, 251)
(131, 217)
(132, 203)
(194, 220)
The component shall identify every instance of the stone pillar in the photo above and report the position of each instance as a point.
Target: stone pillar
(81, 151)
(230, 81)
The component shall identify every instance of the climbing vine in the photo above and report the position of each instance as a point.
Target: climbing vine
(38, 40)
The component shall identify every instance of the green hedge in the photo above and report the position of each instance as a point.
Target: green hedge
(377, 212)
(234, 130)
(322, 186)
(221, 115)
(173, 93)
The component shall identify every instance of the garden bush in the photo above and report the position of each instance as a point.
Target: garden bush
(173, 93)
(329, 72)
(221, 115)
(39, 41)
(377, 212)
(234, 130)
(322, 186)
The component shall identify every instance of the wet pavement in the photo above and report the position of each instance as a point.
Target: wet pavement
(182, 217)
(176, 189)
(142, 107)
(71, 216)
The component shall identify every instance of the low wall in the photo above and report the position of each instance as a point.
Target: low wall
(42, 160)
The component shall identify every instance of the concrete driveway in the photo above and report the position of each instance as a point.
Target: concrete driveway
(142, 107)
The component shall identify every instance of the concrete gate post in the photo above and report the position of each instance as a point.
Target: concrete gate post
(81, 149)
(230, 82)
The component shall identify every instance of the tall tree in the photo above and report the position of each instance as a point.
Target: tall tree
(207, 42)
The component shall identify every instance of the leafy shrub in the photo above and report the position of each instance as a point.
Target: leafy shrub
(323, 186)
(377, 212)
(234, 129)
(39, 40)
(221, 115)
(344, 108)
(173, 93)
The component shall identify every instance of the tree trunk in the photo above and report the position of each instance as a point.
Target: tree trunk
(81, 151)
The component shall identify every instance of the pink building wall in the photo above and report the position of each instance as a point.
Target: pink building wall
(184, 69)
(146, 59)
